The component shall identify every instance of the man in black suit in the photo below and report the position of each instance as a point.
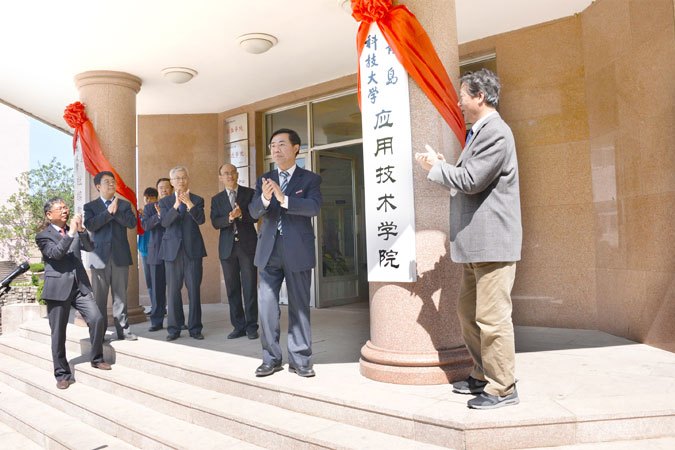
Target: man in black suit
(151, 221)
(236, 248)
(107, 218)
(182, 250)
(287, 198)
(66, 285)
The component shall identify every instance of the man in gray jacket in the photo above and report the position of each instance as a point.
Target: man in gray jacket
(485, 237)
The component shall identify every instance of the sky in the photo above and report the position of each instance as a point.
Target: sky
(47, 142)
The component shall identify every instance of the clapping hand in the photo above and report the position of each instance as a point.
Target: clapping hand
(427, 159)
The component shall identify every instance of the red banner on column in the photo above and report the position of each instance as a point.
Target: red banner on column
(413, 48)
(92, 154)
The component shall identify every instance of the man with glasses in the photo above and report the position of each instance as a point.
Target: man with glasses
(66, 285)
(287, 198)
(182, 250)
(236, 248)
(108, 218)
(485, 237)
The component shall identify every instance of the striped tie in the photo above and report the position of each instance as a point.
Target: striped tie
(284, 183)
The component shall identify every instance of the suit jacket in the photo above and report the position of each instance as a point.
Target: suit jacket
(220, 210)
(152, 225)
(485, 224)
(304, 202)
(108, 231)
(63, 263)
(182, 228)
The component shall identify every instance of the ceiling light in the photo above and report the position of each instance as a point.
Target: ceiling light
(178, 75)
(256, 43)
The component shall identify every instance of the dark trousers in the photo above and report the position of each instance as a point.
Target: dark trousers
(147, 274)
(188, 271)
(299, 329)
(58, 313)
(158, 295)
(240, 275)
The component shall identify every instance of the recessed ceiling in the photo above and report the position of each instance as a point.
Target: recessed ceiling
(45, 43)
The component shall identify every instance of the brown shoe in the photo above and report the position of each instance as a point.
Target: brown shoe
(62, 384)
(101, 365)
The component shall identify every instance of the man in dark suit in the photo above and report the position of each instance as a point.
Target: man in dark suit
(182, 250)
(66, 285)
(236, 248)
(107, 218)
(485, 237)
(287, 198)
(151, 221)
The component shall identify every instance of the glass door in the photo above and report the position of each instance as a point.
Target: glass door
(338, 268)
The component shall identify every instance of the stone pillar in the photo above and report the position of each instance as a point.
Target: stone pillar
(110, 100)
(414, 329)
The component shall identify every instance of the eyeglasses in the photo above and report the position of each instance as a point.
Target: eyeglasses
(109, 182)
(179, 178)
(59, 208)
(280, 145)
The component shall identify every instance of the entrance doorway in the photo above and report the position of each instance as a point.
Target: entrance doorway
(341, 273)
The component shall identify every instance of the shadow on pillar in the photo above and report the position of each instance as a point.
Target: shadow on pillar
(441, 365)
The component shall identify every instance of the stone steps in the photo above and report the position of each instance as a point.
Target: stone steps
(42, 426)
(145, 400)
(128, 421)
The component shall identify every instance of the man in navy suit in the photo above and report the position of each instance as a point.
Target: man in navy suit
(107, 218)
(66, 285)
(236, 248)
(151, 221)
(287, 198)
(182, 250)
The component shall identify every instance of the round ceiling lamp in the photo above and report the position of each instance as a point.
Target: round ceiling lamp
(178, 75)
(256, 43)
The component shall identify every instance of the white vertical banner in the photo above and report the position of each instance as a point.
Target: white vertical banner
(80, 190)
(387, 163)
(81, 182)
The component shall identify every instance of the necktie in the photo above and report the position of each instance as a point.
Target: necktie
(62, 232)
(284, 176)
(468, 138)
(233, 201)
(107, 203)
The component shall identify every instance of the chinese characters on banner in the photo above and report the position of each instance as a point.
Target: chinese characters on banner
(236, 145)
(387, 163)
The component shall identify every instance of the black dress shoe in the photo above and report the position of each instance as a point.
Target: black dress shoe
(62, 384)
(302, 371)
(101, 365)
(252, 334)
(236, 334)
(172, 337)
(155, 328)
(198, 336)
(267, 369)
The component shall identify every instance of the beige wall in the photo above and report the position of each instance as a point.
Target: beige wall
(191, 140)
(591, 102)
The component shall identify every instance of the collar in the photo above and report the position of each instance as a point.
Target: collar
(58, 229)
(231, 190)
(290, 171)
(479, 123)
(104, 200)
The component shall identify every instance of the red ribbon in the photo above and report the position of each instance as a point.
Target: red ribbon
(414, 50)
(92, 154)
